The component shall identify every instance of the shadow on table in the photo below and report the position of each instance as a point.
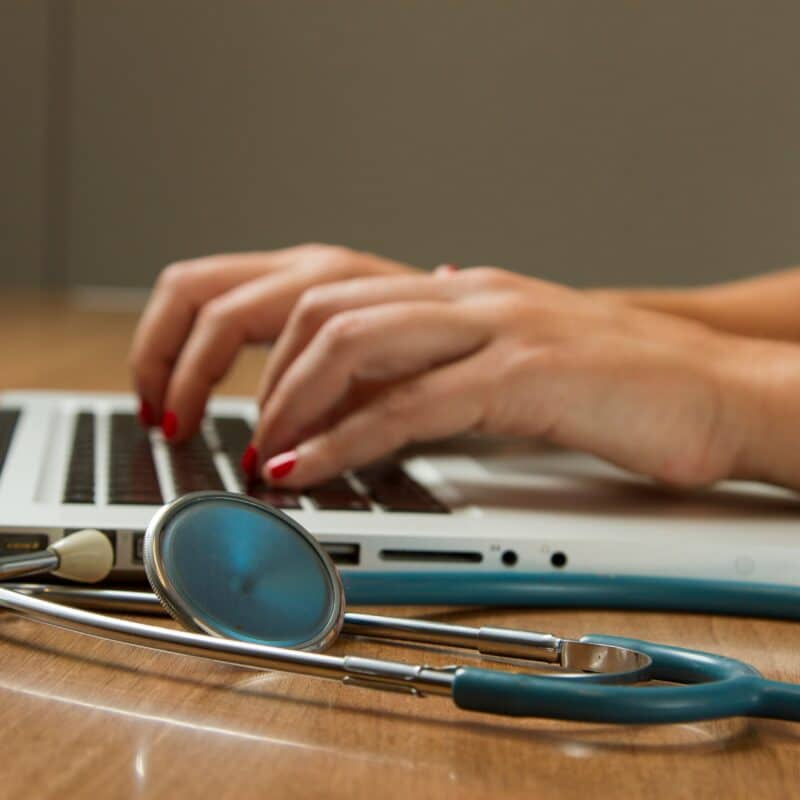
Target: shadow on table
(572, 739)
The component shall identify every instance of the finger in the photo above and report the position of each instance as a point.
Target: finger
(380, 343)
(180, 291)
(320, 303)
(252, 312)
(447, 401)
(184, 288)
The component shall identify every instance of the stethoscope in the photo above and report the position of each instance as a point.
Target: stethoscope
(254, 589)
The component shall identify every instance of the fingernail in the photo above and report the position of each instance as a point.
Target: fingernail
(169, 424)
(248, 462)
(146, 415)
(281, 465)
(445, 269)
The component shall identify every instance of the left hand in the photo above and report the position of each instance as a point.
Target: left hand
(489, 351)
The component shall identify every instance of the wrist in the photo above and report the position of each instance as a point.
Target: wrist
(761, 384)
(691, 303)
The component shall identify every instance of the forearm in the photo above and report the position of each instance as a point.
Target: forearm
(765, 307)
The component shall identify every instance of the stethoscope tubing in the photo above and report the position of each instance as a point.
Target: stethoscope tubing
(522, 589)
(712, 687)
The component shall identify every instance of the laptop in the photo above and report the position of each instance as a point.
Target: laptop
(432, 515)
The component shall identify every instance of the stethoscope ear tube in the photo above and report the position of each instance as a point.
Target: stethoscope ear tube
(717, 687)
(531, 696)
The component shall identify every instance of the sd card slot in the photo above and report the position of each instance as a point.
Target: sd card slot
(433, 556)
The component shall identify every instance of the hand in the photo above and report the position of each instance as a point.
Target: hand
(202, 312)
(489, 351)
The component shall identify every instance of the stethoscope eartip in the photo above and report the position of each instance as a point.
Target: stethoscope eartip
(86, 556)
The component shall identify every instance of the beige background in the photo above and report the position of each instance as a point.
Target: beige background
(644, 142)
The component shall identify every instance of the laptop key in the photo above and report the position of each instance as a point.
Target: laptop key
(337, 495)
(394, 490)
(193, 467)
(8, 422)
(79, 487)
(280, 498)
(132, 478)
(234, 435)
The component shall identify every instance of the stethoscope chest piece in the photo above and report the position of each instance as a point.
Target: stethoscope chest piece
(223, 566)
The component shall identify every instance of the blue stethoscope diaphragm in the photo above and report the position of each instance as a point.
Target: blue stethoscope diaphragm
(226, 565)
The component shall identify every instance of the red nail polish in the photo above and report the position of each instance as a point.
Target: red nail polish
(445, 269)
(281, 465)
(248, 462)
(146, 416)
(169, 424)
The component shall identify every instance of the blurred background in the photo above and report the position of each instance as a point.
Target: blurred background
(591, 143)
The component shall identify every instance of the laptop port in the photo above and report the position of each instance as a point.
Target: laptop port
(509, 558)
(20, 543)
(342, 553)
(430, 556)
(138, 547)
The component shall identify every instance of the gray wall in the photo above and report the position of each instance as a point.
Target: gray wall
(613, 142)
(23, 84)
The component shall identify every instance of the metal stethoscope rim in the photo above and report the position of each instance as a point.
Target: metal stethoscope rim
(164, 589)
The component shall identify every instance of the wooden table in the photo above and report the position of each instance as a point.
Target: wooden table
(88, 718)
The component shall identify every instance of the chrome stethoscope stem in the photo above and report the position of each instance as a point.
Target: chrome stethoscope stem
(490, 641)
(372, 673)
(29, 564)
(574, 656)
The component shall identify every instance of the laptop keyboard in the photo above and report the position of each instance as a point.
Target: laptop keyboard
(133, 477)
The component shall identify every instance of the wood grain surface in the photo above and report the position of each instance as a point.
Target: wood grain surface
(84, 717)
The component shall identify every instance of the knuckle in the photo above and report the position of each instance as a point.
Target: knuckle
(342, 331)
(310, 248)
(214, 314)
(515, 309)
(334, 261)
(332, 450)
(491, 277)
(312, 308)
(175, 276)
(402, 404)
(323, 255)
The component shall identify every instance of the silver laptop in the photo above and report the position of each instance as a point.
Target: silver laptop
(70, 461)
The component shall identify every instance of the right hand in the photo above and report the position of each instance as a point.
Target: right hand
(201, 312)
